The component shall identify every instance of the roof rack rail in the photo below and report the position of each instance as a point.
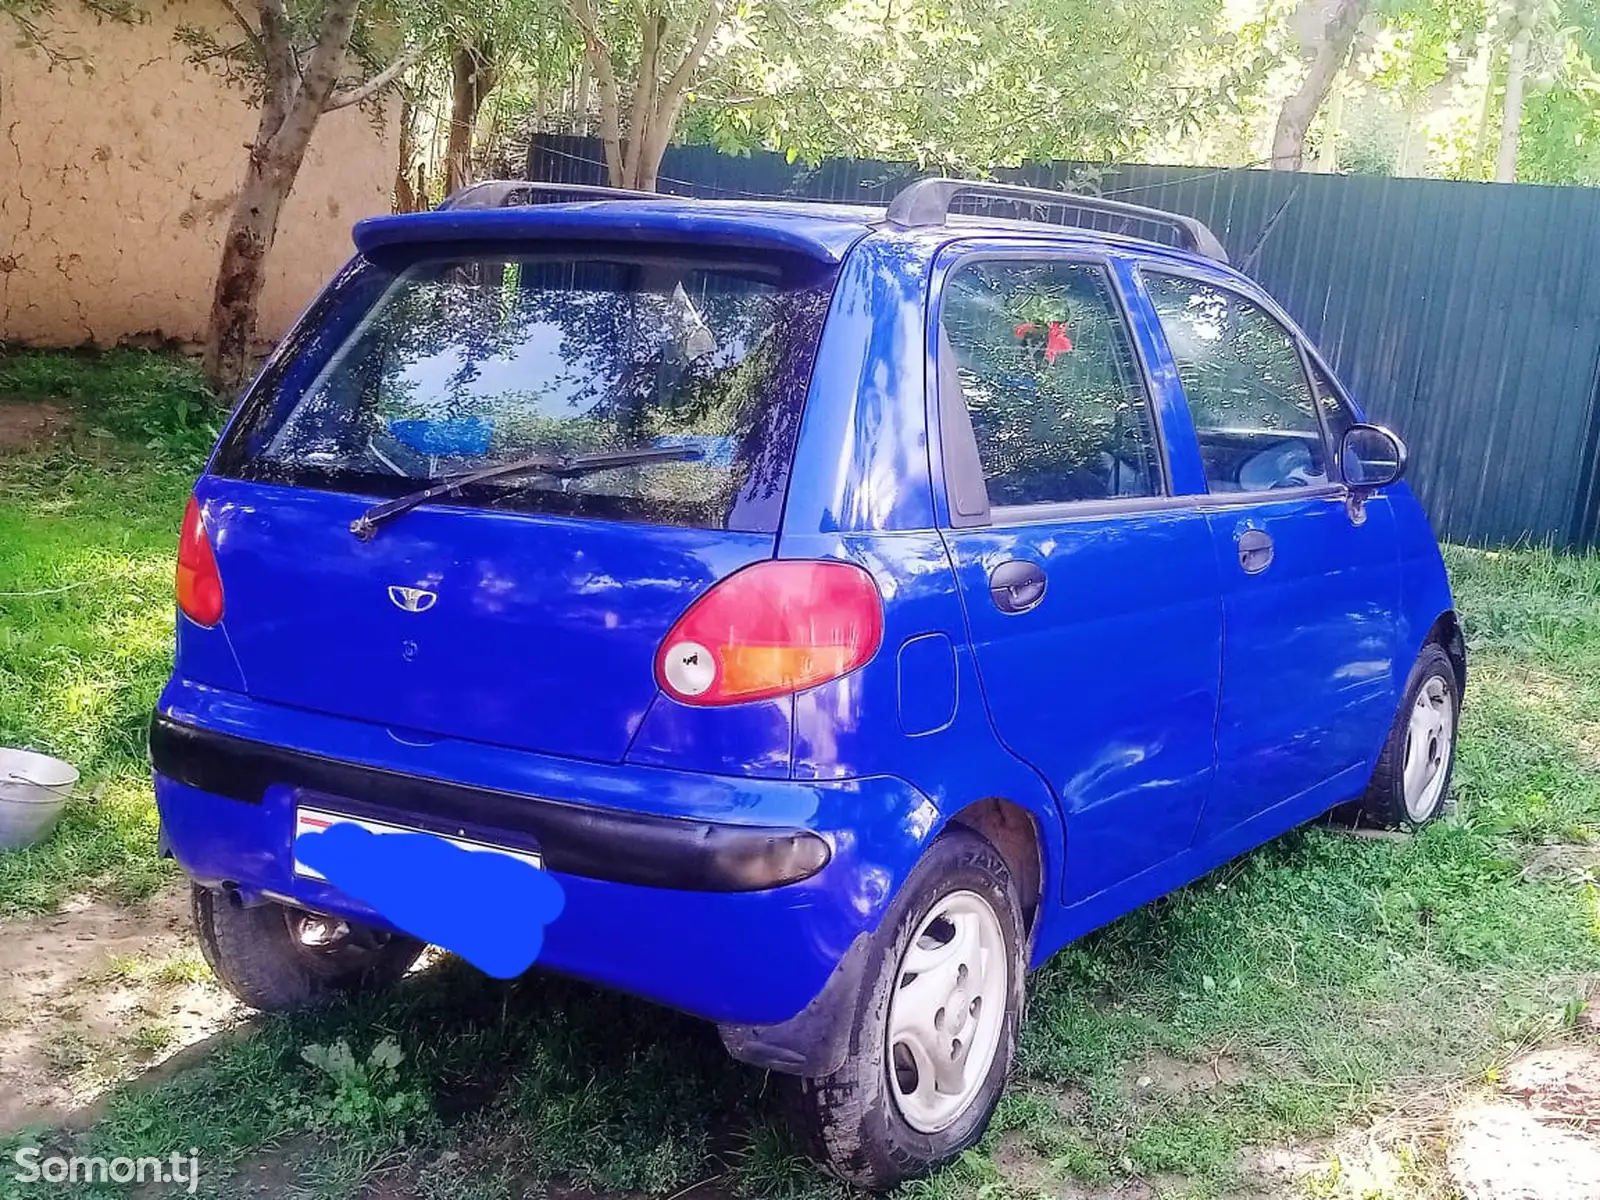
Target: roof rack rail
(503, 193)
(927, 202)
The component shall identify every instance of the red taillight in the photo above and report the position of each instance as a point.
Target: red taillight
(199, 585)
(772, 629)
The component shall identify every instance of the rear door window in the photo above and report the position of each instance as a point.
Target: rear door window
(1245, 385)
(468, 361)
(1047, 369)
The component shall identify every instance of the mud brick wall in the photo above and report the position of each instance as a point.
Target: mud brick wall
(117, 172)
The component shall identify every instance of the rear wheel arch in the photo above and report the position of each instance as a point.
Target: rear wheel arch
(1013, 831)
(814, 1042)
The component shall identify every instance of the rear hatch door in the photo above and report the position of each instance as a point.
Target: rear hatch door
(523, 610)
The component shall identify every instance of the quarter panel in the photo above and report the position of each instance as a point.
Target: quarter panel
(852, 726)
(862, 459)
(207, 655)
(737, 739)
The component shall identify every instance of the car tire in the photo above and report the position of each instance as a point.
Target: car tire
(1412, 779)
(956, 929)
(262, 955)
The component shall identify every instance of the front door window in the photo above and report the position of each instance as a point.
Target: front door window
(1246, 388)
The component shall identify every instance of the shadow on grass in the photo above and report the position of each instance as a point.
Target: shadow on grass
(525, 1081)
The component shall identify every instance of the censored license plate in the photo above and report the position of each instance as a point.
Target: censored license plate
(315, 820)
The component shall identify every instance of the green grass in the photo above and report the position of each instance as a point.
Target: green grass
(87, 537)
(1295, 994)
(156, 401)
(85, 645)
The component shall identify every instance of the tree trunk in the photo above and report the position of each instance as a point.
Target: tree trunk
(1328, 150)
(634, 153)
(610, 112)
(1480, 144)
(646, 89)
(1405, 156)
(472, 78)
(1505, 163)
(405, 197)
(653, 145)
(251, 231)
(1336, 22)
(580, 100)
(649, 166)
(293, 100)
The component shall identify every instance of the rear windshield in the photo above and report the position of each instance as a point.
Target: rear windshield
(410, 370)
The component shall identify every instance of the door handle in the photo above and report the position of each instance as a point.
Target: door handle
(1255, 551)
(1016, 585)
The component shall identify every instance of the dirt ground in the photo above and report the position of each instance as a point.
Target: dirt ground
(1537, 1136)
(102, 992)
(28, 424)
(1532, 1134)
(93, 995)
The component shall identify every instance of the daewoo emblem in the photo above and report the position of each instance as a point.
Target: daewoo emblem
(413, 600)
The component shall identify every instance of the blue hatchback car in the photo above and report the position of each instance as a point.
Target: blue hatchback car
(846, 607)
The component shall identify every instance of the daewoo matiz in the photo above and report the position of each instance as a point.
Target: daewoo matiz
(846, 607)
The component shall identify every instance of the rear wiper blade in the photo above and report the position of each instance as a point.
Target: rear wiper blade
(570, 465)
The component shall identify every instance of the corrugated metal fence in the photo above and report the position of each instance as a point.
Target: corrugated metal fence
(1467, 316)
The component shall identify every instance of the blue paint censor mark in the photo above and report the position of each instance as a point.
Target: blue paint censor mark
(489, 908)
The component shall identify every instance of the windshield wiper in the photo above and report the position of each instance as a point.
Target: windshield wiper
(563, 465)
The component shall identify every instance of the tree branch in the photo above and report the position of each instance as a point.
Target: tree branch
(598, 55)
(610, 115)
(250, 33)
(584, 16)
(668, 103)
(317, 81)
(274, 38)
(279, 70)
(652, 30)
(1327, 57)
(684, 75)
(365, 91)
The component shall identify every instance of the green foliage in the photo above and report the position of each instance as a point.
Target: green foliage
(1561, 137)
(157, 400)
(29, 20)
(362, 1097)
(382, 29)
(957, 83)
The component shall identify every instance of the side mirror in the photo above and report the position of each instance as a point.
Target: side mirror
(1372, 456)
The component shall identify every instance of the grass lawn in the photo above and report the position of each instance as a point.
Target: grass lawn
(1319, 1003)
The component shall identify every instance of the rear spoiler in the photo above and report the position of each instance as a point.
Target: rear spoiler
(662, 221)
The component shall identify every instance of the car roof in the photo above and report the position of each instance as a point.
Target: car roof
(816, 229)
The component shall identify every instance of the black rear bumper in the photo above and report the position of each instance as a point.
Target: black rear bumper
(621, 847)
